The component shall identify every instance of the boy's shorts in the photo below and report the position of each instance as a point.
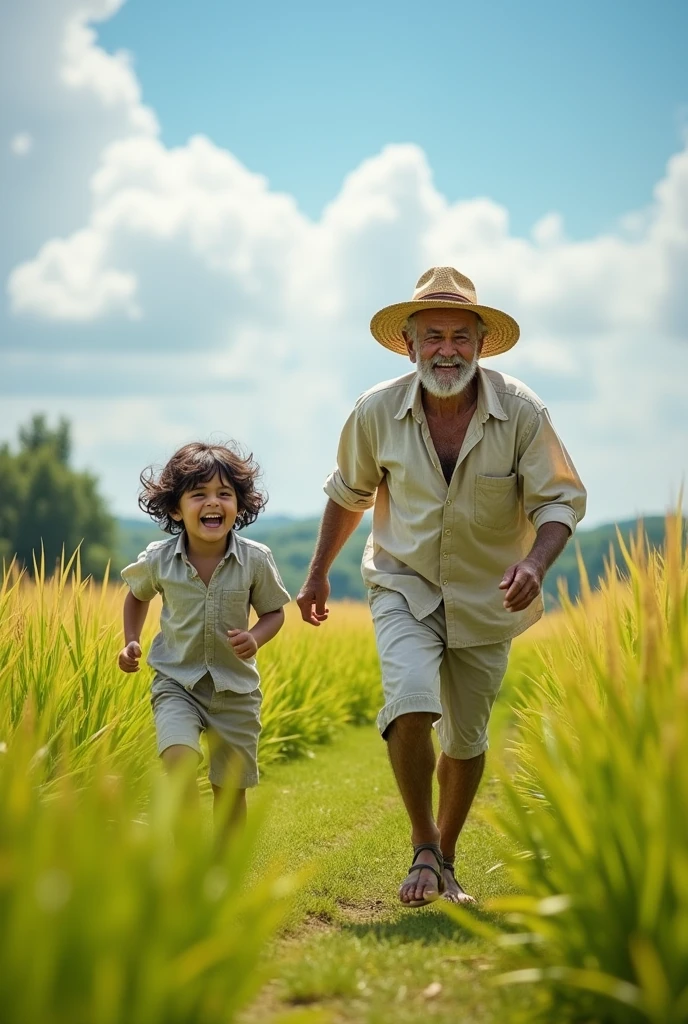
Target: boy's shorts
(420, 673)
(231, 720)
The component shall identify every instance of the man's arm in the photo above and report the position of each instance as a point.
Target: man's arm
(523, 581)
(336, 527)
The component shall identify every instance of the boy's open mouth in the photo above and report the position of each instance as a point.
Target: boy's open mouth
(213, 520)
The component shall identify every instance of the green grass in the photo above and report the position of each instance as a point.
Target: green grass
(349, 947)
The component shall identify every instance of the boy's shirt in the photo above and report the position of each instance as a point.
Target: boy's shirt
(195, 618)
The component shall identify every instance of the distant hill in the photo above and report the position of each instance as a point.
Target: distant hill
(292, 542)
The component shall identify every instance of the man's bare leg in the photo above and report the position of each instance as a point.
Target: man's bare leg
(459, 781)
(409, 742)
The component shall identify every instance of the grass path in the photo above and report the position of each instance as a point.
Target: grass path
(349, 947)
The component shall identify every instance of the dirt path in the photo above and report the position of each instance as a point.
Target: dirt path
(349, 947)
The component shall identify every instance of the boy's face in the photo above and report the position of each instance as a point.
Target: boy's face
(208, 511)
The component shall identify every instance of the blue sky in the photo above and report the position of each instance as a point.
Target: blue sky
(203, 205)
(569, 107)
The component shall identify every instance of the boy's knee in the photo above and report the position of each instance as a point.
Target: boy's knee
(179, 754)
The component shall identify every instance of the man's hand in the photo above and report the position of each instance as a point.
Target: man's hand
(523, 583)
(129, 656)
(243, 643)
(314, 593)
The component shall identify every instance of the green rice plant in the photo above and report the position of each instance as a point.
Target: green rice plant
(315, 681)
(59, 640)
(598, 808)
(106, 919)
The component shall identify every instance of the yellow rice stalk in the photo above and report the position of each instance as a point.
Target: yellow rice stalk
(59, 640)
(598, 808)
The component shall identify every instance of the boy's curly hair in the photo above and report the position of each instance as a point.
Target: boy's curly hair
(194, 464)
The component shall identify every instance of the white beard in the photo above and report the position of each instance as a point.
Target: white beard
(446, 386)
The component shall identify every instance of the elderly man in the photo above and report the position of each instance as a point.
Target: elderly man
(474, 497)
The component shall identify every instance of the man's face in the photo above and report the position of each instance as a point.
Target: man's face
(445, 349)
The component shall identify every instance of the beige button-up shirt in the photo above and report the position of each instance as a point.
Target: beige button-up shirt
(432, 541)
(195, 618)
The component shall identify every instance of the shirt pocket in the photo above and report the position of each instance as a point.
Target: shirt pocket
(496, 501)
(234, 609)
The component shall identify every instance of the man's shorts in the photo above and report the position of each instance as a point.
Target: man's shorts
(231, 721)
(420, 673)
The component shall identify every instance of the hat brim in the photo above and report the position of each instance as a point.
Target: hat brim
(387, 326)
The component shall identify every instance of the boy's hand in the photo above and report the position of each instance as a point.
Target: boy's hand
(243, 643)
(129, 657)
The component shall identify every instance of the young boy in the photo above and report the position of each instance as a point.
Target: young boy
(208, 576)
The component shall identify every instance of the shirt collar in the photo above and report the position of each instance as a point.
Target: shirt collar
(233, 547)
(412, 399)
(488, 401)
(488, 398)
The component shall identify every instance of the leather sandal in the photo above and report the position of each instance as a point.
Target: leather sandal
(437, 854)
(449, 865)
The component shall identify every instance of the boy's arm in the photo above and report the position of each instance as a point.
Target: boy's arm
(135, 613)
(245, 643)
(267, 626)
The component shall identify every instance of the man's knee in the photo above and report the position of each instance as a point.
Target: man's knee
(453, 762)
(411, 725)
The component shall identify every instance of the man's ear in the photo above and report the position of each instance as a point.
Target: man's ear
(410, 347)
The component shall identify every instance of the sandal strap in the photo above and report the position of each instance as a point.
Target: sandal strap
(426, 867)
(434, 849)
(436, 852)
(449, 865)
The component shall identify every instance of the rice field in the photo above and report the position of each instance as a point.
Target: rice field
(106, 919)
(59, 641)
(596, 809)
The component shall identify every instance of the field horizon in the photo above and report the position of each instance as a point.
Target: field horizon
(292, 541)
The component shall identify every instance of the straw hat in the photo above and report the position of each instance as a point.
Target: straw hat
(444, 288)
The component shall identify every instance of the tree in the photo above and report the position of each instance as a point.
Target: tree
(43, 500)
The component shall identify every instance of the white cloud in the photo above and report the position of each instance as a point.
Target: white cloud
(70, 282)
(109, 77)
(21, 144)
(193, 298)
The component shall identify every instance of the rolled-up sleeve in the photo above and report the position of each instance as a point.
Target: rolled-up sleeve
(552, 490)
(268, 592)
(140, 578)
(355, 480)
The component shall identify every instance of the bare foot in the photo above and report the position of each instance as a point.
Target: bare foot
(454, 892)
(421, 885)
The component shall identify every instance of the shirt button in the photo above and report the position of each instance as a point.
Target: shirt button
(447, 533)
(445, 582)
(445, 555)
(448, 501)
